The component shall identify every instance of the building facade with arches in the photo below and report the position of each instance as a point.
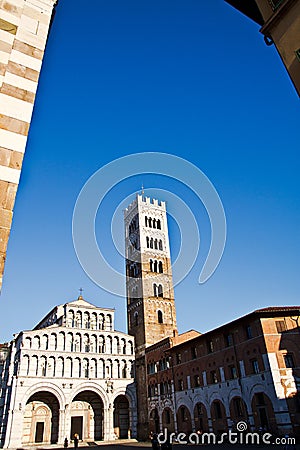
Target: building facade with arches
(73, 373)
(245, 371)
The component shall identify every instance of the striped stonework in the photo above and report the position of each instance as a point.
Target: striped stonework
(24, 27)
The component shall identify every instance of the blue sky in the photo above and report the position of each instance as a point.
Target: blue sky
(193, 79)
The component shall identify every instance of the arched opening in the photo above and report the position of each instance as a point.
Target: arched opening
(87, 416)
(160, 291)
(160, 267)
(218, 415)
(41, 419)
(200, 416)
(167, 420)
(184, 420)
(160, 318)
(263, 412)
(154, 421)
(238, 410)
(158, 225)
(121, 417)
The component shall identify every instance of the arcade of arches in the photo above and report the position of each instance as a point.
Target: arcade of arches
(86, 416)
(214, 418)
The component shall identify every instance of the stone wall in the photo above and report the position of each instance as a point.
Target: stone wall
(24, 27)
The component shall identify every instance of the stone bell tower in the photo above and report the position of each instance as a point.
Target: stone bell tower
(151, 310)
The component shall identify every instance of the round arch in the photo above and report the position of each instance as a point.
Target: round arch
(184, 420)
(167, 419)
(41, 418)
(90, 386)
(218, 415)
(238, 410)
(154, 425)
(200, 417)
(87, 415)
(263, 412)
(51, 388)
(121, 417)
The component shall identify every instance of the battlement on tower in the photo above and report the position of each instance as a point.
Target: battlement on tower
(143, 200)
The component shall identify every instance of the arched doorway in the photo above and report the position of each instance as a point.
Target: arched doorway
(121, 417)
(41, 419)
(87, 416)
(184, 420)
(154, 421)
(263, 412)
(200, 416)
(218, 415)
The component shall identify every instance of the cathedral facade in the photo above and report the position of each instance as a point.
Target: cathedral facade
(72, 374)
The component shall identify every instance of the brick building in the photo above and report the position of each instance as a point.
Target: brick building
(247, 370)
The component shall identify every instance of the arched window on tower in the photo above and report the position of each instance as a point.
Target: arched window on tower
(155, 244)
(160, 245)
(158, 224)
(151, 243)
(160, 291)
(150, 222)
(155, 266)
(146, 221)
(155, 290)
(151, 265)
(160, 267)
(154, 223)
(160, 316)
(147, 242)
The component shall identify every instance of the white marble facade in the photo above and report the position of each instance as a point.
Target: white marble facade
(72, 374)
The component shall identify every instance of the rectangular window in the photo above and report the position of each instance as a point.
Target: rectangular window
(228, 340)
(196, 381)
(210, 346)
(233, 372)
(249, 332)
(194, 352)
(255, 366)
(289, 361)
(178, 358)
(280, 326)
(213, 376)
(180, 385)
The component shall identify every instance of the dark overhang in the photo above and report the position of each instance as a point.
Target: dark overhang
(249, 8)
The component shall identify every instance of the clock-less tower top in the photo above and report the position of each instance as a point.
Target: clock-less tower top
(149, 285)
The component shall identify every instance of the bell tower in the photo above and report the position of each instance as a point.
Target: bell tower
(151, 310)
(150, 294)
